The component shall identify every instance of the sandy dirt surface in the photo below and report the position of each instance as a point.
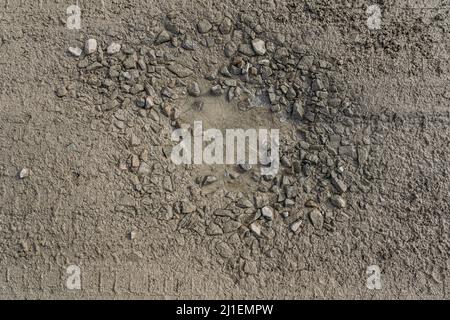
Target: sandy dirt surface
(88, 190)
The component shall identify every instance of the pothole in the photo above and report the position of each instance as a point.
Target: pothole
(248, 83)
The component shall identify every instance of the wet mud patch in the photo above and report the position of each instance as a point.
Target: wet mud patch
(218, 113)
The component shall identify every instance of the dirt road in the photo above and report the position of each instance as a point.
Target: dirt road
(361, 99)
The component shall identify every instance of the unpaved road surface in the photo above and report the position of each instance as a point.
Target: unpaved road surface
(91, 205)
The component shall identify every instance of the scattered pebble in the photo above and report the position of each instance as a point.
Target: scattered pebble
(255, 228)
(297, 110)
(259, 46)
(226, 26)
(267, 213)
(214, 229)
(113, 48)
(132, 235)
(61, 91)
(24, 173)
(245, 203)
(187, 207)
(75, 51)
(295, 226)
(163, 37)
(316, 218)
(209, 180)
(180, 71)
(216, 90)
(194, 89)
(250, 267)
(204, 26)
(144, 169)
(338, 201)
(90, 46)
(134, 140)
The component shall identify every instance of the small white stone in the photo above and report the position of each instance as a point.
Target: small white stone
(144, 169)
(316, 218)
(267, 213)
(25, 172)
(149, 103)
(90, 46)
(295, 226)
(113, 48)
(259, 46)
(134, 140)
(255, 228)
(75, 51)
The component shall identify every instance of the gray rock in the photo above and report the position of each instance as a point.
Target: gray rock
(129, 63)
(297, 110)
(230, 82)
(225, 72)
(75, 51)
(255, 228)
(141, 102)
(179, 70)
(295, 226)
(132, 235)
(149, 102)
(216, 90)
(61, 91)
(193, 89)
(231, 226)
(338, 201)
(134, 140)
(246, 49)
(245, 203)
(340, 186)
(224, 250)
(167, 183)
(289, 203)
(90, 46)
(136, 88)
(267, 213)
(226, 26)
(24, 173)
(230, 49)
(209, 180)
(163, 36)
(189, 44)
(250, 267)
(144, 169)
(316, 218)
(317, 85)
(113, 48)
(214, 229)
(363, 155)
(280, 54)
(169, 93)
(204, 26)
(259, 46)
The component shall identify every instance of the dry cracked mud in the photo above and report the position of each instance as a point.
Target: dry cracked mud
(87, 179)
